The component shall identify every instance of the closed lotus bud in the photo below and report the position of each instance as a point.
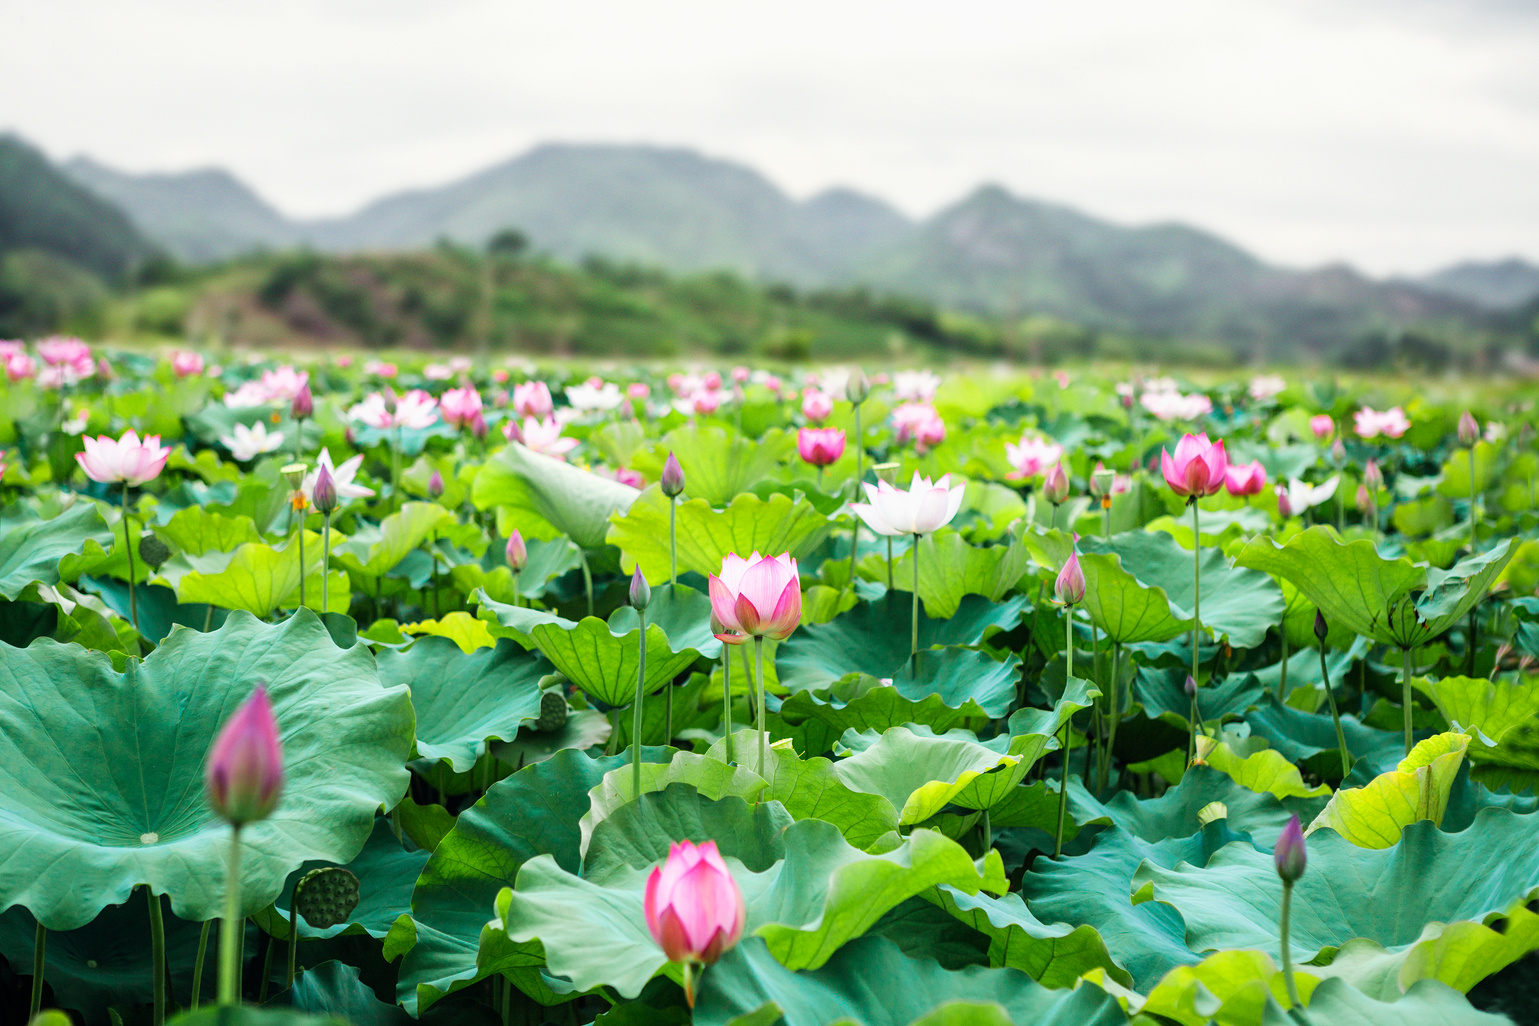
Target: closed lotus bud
(1366, 504)
(350, 435)
(1321, 630)
(641, 592)
(1284, 507)
(244, 773)
(390, 404)
(673, 477)
(478, 427)
(324, 494)
(1373, 477)
(1070, 585)
(1291, 854)
(1055, 488)
(304, 403)
(858, 388)
(436, 485)
(693, 908)
(1469, 429)
(1338, 451)
(516, 552)
(1190, 687)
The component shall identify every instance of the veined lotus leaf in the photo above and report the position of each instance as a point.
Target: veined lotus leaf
(468, 633)
(1476, 703)
(373, 552)
(1428, 1003)
(1230, 987)
(1055, 955)
(547, 559)
(1175, 813)
(1301, 736)
(711, 778)
(1456, 478)
(462, 700)
(638, 834)
(1417, 789)
(123, 805)
(261, 579)
(1264, 770)
(30, 549)
(682, 612)
(949, 568)
(195, 530)
(573, 501)
(1125, 609)
(748, 524)
(718, 464)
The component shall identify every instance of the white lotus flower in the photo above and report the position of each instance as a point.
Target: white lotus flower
(247, 443)
(605, 395)
(926, 506)
(1302, 496)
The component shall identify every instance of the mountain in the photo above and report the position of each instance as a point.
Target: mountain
(1497, 284)
(199, 216)
(44, 211)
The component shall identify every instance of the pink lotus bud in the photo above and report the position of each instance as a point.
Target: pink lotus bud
(1321, 628)
(712, 381)
(1322, 425)
(1338, 451)
(1373, 477)
(673, 477)
(324, 495)
(1190, 687)
(436, 485)
(500, 376)
(1284, 507)
(1291, 853)
(638, 390)
(1070, 585)
(304, 404)
(478, 427)
(760, 597)
(739, 374)
(820, 446)
(816, 406)
(1055, 487)
(244, 772)
(1198, 467)
(693, 907)
(1245, 480)
(103, 369)
(186, 364)
(1367, 505)
(1469, 429)
(517, 554)
(641, 592)
(351, 435)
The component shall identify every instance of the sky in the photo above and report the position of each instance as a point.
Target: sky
(1397, 135)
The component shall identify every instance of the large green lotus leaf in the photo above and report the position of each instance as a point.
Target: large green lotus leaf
(251, 1015)
(1301, 736)
(605, 664)
(811, 789)
(575, 502)
(682, 612)
(1299, 625)
(260, 579)
(1230, 988)
(1353, 585)
(1456, 478)
(1237, 603)
(949, 568)
(955, 687)
(821, 895)
(874, 638)
(30, 549)
(1148, 940)
(195, 530)
(334, 988)
(718, 464)
(547, 559)
(1428, 1003)
(1384, 895)
(372, 552)
(1476, 703)
(921, 773)
(1162, 694)
(123, 803)
(709, 777)
(386, 874)
(749, 524)
(1417, 789)
(639, 833)
(1265, 770)
(872, 983)
(1175, 813)
(1122, 607)
(464, 699)
(1055, 955)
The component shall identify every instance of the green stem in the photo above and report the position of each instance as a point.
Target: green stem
(889, 562)
(128, 548)
(1341, 739)
(302, 557)
(1473, 516)
(230, 927)
(914, 636)
(1282, 679)
(1097, 723)
(820, 479)
(288, 977)
(1116, 712)
(1287, 955)
(1196, 588)
(758, 645)
(673, 541)
(39, 948)
(726, 696)
(267, 969)
(157, 956)
(1063, 786)
(614, 731)
(587, 578)
(859, 473)
(1405, 694)
(395, 471)
(641, 680)
(325, 561)
(197, 966)
(988, 832)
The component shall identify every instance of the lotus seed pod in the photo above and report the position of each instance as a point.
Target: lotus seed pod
(152, 550)
(326, 896)
(553, 711)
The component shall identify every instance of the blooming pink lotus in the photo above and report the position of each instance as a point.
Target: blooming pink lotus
(1246, 479)
(125, 459)
(1172, 405)
(69, 353)
(1198, 468)
(816, 405)
(757, 597)
(820, 446)
(700, 402)
(542, 436)
(1322, 425)
(185, 364)
(381, 369)
(693, 907)
(532, 399)
(20, 366)
(1031, 456)
(1391, 423)
(925, 507)
(920, 423)
(638, 391)
(416, 409)
(244, 772)
(459, 406)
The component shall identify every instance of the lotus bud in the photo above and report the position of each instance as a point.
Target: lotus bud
(436, 485)
(1373, 477)
(1190, 687)
(1070, 585)
(511, 431)
(244, 772)
(517, 554)
(324, 494)
(693, 908)
(304, 403)
(673, 477)
(104, 369)
(858, 388)
(1338, 451)
(1321, 630)
(641, 592)
(1469, 429)
(1367, 505)
(1284, 507)
(1322, 425)
(390, 405)
(351, 436)
(478, 427)
(1055, 488)
(1291, 853)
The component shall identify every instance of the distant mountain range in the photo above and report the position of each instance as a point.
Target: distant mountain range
(991, 252)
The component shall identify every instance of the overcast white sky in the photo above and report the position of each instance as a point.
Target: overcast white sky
(1399, 135)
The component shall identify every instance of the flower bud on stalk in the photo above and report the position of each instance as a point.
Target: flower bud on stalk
(1321, 629)
(478, 427)
(1338, 451)
(641, 592)
(324, 494)
(1101, 481)
(1284, 507)
(1373, 477)
(1055, 488)
(1291, 853)
(858, 388)
(693, 908)
(1366, 504)
(304, 403)
(1469, 429)
(517, 553)
(1190, 687)
(436, 485)
(672, 481)
(1070, 585)
(244, 772)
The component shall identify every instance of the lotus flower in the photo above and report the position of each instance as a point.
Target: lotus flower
(1291, 854)
(1302, 496)
(594, 394)
(672, 481)
(459, 407)
(247, 443)
(1245, 479)
(1198, 468)
(381, 369)
(820, 446)
(637, 391)
(185, 364)
(1055, 487)
(1031, 456)
(322, 493)
(69, 353)
(1370, 423)
(1322, 425)
(1266, 386)
(244, 773)
(20, 366)
(925, 507)
(920, 423)
(757, 597)
(918, 386)
(542, 436)
(516, 553)
(701, 402)
(282, 384)
(532, 399)
(125, 459)
(416, 409)
(1469, 429)
(341, 478)
(693, 907)
(816, 405)
(1173, 405)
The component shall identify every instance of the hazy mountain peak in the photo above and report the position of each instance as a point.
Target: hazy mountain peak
(1495, 284)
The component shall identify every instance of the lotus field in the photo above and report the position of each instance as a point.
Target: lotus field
(335, 690)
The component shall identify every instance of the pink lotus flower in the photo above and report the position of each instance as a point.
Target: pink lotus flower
(693, 907)
(1266, 386)
(712, 381)
(185, 364)
(244, 772)
(1248, 479)
(20, 366)
(516, 552)
(1062, 377)
(1370, 423)
(740, 374)
(542, 436)
(816, 406)
(125, 459)
(925, 507)
(757, 597)
(283, 383)
(1322, 425)
(820, 446)
(1031, 456)
(919, 422)
(626, 476)
(701, 402)
(381, 369)
(459, 406)
(416, 409)
(638, 390)
(500, 376)
(438, 372)
(532, 399)
(69, 353)
(1198, 467)
(1175, 406)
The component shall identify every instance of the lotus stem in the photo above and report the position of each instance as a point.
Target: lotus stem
(859, 473)
(157, 956)
(1341, 739)
(518, 599)
(267, 969)
(726, 696)
(673, 543)
(820, 479)
(1096, 721)
(1282, 679)
(914, 637)
(230, 927)
(889, 562)
(1405, 694)
(301, 516)
(288, 977)
(1196, 589)
(587, 577)
(39, 947)
(636, 716)
(1116, 713)
(128, 549)
(197, 966)
(395, 471)
(325, 561)
(689, 983)
(614, 731)
(1473, 514)
(758, 646)
(1287, 954)
(1063, 786)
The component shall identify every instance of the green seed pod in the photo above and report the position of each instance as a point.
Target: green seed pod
(326, 897)
(152, 550)
(553, 711)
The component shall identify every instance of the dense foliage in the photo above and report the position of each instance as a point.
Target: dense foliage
(1055, 720)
